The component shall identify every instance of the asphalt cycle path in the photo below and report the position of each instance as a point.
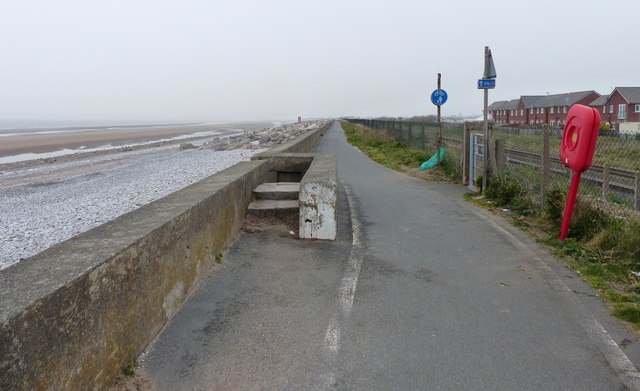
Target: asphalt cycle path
(421, 291)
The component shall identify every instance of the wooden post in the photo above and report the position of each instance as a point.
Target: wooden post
(606, 178)
(493, 157)
(545, 164)
(466, 141)
(500, 156)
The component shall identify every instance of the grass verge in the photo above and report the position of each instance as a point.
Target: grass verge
(382, 148)
(604, 249)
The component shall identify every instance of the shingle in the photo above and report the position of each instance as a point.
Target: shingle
(511, 105)
(600, 101)
(631, 94)
(530, 100)
(497, 105)
(559, 100)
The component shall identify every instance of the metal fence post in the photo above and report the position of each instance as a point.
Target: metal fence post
(410, 133)
(637, 191)
(466, 139)
(424, 147)
(544, 163)
(606, 178)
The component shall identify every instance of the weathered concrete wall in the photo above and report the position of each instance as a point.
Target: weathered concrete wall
(71, 316)
(303, 144)
(318, 199)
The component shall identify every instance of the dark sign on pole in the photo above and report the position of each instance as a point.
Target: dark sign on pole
(486, 83)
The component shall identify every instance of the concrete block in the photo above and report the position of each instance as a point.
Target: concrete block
(264, 208)
(278, 191)
(318, 199)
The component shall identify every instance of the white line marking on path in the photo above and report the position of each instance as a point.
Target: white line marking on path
(346, 295)
(618, 360)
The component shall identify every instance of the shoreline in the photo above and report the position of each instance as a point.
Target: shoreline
(76, 139)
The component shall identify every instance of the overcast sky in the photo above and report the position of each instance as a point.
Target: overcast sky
(277, 59)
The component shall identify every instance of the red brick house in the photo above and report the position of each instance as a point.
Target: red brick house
(538, 110)
(600, 104)
(495, 111)
(511, 109)
(623, 105)
(555, 107)
(531, 112)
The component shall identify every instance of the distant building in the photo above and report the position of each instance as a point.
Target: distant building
(538, 110)
(622, 106)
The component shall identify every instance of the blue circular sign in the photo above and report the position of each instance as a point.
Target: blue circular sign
(438, 97)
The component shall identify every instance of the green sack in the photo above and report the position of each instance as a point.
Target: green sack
(433, 161)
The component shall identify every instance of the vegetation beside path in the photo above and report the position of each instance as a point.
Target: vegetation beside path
(604, 246)
(382, 148)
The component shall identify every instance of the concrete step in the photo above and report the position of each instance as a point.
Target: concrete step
(278, 191)
(266, 208)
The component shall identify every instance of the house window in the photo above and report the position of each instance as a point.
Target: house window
(530, 111)
(551, 110)
(564, 110)
(637, 108)
(622, 111)
(522, 111)
(611, 108)
(604, 109)
(542, 110)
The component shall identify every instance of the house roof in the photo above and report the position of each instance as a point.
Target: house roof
(530, 100)
(497, 105)
(567, 99)
(630, 94)
(511, 105)
(600, 101)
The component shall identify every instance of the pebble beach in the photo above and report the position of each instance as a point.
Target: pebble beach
(48, 200)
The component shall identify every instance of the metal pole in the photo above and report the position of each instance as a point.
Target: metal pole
(439, 129)
(486, 140)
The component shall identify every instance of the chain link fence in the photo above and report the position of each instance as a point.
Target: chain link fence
(529, 156)
(532, 158)
(424, 136)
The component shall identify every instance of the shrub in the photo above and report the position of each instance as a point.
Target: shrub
(556, 197)
(504, 190)
(588, 220)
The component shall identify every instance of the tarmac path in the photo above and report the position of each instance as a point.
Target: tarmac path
(421, 291)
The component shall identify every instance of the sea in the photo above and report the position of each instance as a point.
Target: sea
(13, 127)
(31, 127)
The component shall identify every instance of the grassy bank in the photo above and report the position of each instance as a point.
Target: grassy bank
(382, 148)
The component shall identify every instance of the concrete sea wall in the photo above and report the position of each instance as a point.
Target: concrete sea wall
(73, 315)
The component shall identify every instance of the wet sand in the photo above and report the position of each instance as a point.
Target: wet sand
(97, 137)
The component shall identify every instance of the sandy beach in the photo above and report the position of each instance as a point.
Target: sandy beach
(49, 140)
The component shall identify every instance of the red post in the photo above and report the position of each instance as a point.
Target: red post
(571, 202)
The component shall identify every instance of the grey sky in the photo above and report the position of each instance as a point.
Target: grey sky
(235, 60)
